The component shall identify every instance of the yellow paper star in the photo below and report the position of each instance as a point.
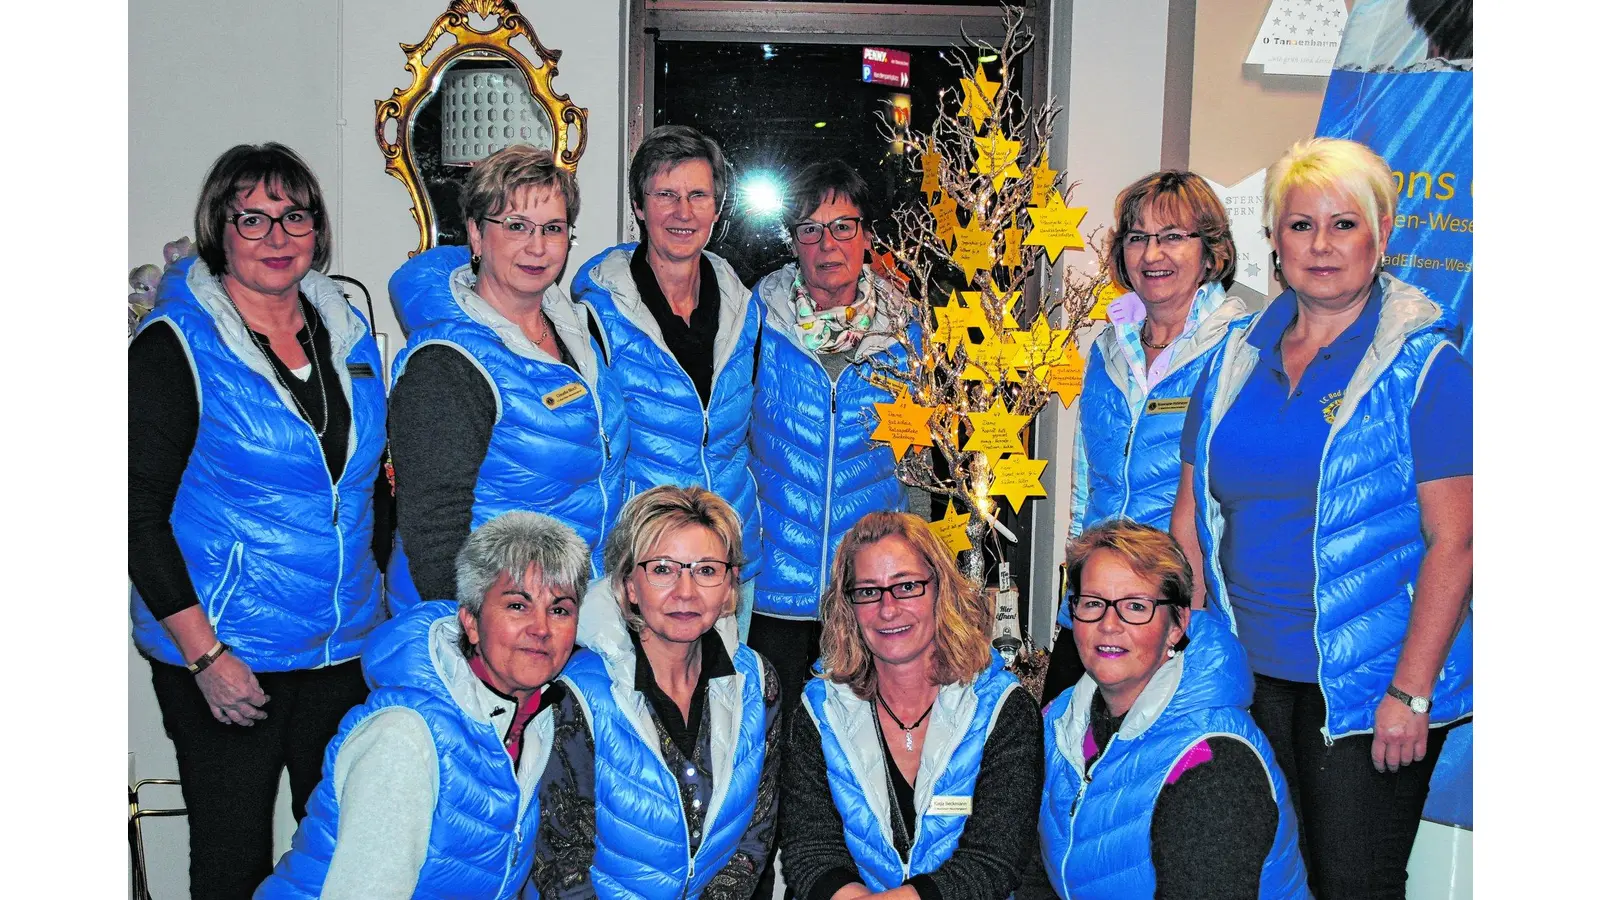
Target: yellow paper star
(1016, 478)
(997, 156)
(931, 160)
(1066, 375)
(994, 431)
(902, 424)
(987, 359)
(1055, 226)
(950, 323)
(1013, 252)
(974, 249)
(952, 529)
(977, 97)
(944, 219)
(1044, 181)
(1102, 302)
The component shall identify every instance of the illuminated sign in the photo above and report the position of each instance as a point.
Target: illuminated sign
(883, 66)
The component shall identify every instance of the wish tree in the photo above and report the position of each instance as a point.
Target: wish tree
(985, 350)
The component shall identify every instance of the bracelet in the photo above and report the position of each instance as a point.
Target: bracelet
(209, 657)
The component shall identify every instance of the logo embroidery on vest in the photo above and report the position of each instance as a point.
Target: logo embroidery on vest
(1330, 405)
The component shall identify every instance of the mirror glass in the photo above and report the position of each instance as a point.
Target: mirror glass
(482, 103)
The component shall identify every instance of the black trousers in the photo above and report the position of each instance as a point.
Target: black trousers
(1357, 824)
(792, 646)
(230, 773)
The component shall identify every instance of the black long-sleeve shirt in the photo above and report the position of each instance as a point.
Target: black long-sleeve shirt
(1000, 840)
(163, 424)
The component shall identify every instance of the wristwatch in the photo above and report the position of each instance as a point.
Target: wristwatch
(1419, 705)
(206, 659)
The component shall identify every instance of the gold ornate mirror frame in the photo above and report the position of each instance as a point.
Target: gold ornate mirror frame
(569, 122)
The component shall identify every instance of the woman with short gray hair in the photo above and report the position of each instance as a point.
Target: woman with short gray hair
(429, 789)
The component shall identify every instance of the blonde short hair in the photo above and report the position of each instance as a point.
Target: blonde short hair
(651, 516)
(963, 618)
(493, 183)
(1333, 165)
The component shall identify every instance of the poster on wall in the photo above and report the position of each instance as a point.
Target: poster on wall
(1298, 37)
(1243, 203)
(1402, 84)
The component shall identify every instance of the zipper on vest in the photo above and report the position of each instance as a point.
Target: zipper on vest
(1088, 775)
(827, 484)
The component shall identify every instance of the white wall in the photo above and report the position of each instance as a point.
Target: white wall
(204, 75)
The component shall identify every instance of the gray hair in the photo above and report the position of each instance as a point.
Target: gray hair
(669, 146)
(510, 543)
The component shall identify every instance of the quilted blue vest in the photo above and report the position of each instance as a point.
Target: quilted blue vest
(676, 440)
(1094, 829)
(952, 753)
(817, 472)
(567, 462)
(280, 556)
(1127, 448)
(1367, 537)
(641, 841)
(481, 840)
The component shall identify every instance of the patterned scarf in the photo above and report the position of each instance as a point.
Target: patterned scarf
(838, 329)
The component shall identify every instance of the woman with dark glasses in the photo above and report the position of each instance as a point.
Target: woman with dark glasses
(663, 778)
(1157, 781)
(913, 762)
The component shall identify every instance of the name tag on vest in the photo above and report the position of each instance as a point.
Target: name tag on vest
(1158, 407)
(361, 370)
(561, 396)
(950, 806)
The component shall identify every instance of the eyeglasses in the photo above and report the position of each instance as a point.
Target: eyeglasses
(253, 226)
(1132, 610)
(1164, 239)
(522, 230)
(663, 572)
(903, 590)
(670, 199)
(843, 229)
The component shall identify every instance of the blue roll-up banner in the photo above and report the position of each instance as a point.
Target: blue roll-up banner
(1404, 88)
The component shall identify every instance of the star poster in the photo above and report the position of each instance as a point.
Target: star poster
(1243, 203)
(1299, 37)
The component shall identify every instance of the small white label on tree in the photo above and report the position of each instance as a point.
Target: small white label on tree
(950, 806)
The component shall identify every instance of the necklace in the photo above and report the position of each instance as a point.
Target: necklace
(903, 726)
(311, 350)
(1143, 330)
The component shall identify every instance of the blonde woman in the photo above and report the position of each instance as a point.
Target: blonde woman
(913, 766)
(664, 778)
(1326, 495)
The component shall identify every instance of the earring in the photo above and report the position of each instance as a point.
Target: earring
(476, 259)
(1277, 268)
(1171, 652)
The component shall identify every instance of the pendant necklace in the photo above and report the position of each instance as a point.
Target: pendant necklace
(311, 351)
(903, 726)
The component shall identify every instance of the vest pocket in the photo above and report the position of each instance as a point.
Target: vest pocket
(217, 603)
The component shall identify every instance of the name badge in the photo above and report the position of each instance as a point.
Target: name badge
(1159, 407)
(950, 806)
(561, 396)
(361, 370)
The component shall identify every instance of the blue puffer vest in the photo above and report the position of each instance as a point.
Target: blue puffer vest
(641, 840)
(1094, 831)
(481, 840)
(675, 439)
(1367, 537)
(280, 556)
(563, 456)
(952, 753)
(1126, 461)
(817, 471)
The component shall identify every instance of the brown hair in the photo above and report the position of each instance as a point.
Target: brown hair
(654, 514)
(962, 615)
(492, 183)
(1150, 552)
(1181, 196)
(237, 171)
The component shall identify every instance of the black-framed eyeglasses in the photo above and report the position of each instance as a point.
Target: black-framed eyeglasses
(253, 226)
(843, 229)
(900, 590)
(1164, 239)
(1132, 610)
(519, 229)
(663, 571)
